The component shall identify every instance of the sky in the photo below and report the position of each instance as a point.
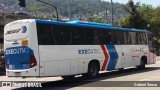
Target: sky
(154, 3)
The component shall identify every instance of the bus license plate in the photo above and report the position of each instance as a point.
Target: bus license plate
(17, 73)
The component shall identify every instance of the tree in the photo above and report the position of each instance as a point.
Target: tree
(99, 20)
(34, 8)
(135, 19)
(155, 22)
(42, 16)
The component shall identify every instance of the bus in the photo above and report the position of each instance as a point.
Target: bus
(39, 48)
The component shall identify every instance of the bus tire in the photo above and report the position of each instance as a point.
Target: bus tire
(68, 77)
(93, 70)
(121, 70)
(142, 65)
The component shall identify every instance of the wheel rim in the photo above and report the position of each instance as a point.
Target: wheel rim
(142, 64)
(93, 71)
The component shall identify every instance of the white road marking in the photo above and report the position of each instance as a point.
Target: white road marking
(150, 78)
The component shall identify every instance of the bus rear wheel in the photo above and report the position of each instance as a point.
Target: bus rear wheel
(93, 70)
(68, 77)
(121, 70)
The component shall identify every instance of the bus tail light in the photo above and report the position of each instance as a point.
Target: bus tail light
(33, 61)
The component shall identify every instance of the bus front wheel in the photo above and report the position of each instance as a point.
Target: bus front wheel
(142, 65)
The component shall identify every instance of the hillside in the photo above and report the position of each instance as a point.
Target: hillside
(83, 9)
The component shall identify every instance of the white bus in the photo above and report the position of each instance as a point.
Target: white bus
(41, 48)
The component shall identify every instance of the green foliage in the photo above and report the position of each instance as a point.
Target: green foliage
(135, 19)
(42, 16)
(33, 7)
(99, 20)
(143, 17)
(81, 8)
(154, 21)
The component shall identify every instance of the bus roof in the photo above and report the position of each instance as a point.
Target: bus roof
(89, 25)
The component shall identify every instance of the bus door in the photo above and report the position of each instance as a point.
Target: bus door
(152, 51)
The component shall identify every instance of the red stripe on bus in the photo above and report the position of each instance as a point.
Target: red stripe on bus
(106, 57)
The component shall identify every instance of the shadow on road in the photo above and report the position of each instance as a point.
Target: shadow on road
(82, 82)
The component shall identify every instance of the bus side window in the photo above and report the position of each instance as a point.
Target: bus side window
(77, 36)
(150, 40)
(96, 38)
(118, 37)
(133, 37)
(139, 38)
(44, 34)
(125, 38)
(61, 35)
(82, 36)
(89, 36)
(144, 38)
(106, 37)
(128, 38)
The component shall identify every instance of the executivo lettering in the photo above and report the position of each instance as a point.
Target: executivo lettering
(88, 51)
(17, 51)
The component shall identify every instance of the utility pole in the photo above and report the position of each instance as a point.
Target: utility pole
(52, 6)
(147, 13)
(148, 23)
(112, 10)
(69, 11)
(106, 15)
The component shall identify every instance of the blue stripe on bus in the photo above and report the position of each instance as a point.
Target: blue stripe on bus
(88, 25)
(113, 57)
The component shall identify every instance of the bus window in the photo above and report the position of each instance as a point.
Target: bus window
(89, 36)
(106, 37)
(139, 38)
(133, 37)
(151, 43)
(125, 38)
(118, 37)
(96, 37)
(77, 36)
(82, 36)
(150, 40)
(61, 34)
(144, 38)
(44, 34)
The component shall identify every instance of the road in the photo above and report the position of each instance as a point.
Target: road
(109, 79)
